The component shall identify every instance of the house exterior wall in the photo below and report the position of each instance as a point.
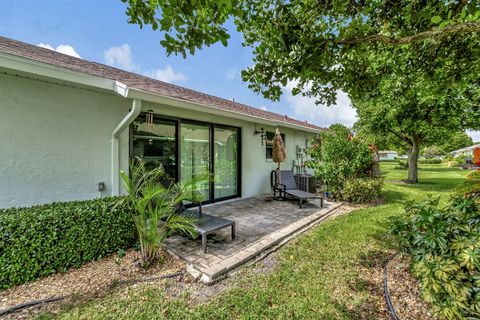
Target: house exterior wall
(387, 155)
(55, 142)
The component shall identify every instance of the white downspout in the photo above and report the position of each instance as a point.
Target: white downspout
(131, 115)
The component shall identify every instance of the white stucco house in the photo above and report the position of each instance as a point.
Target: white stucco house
(467, 152)
(387, 155)
(67, 126)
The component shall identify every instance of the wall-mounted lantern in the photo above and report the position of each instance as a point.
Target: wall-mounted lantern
(263, 135)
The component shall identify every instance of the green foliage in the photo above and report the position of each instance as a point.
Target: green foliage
(339, 157)
(469, 187)
(411, 69)
(430, 161)
(41, 240)
(154, 207)
(360, 190)
(444, 243)
(474, 176)
(460, 160)
(455, 141)
(432, 152)
(402, 164)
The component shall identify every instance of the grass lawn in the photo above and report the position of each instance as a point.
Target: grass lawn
(323, 274)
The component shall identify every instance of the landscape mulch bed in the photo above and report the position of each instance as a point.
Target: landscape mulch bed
(94, 279)
(405, 292)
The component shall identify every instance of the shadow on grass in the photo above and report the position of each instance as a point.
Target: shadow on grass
(392, 196)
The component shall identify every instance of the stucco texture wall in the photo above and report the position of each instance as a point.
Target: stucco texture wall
(55, 141)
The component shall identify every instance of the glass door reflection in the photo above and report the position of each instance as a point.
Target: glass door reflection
(225, 162)
(195, 155)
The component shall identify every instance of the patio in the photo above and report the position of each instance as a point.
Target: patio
(260, 224)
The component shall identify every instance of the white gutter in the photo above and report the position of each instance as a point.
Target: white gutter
(131, 115)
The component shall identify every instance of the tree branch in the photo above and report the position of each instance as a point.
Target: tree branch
(403, 138)
(467, 27)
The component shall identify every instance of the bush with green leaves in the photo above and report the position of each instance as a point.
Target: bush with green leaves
(474, 176)
(360, 190)
(41, 240)
(338, 156)
(459, 160)
(444, 243)
(154, 200)
(430, 161)
(402, 165)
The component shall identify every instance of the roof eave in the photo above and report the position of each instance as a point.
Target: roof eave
(190, 105)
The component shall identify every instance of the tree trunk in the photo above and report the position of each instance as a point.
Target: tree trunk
(413, 154)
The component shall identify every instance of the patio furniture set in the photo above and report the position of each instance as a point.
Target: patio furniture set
(283, 182)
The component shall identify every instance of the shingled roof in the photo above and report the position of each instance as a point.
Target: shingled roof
(140, 82)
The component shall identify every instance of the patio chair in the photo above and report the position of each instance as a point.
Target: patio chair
(284, 183)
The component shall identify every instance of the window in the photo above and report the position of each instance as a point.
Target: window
(269, 144)
(155, 143)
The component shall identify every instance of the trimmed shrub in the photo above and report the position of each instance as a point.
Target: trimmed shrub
(362, 190)
(41, 240)
(443, 242)
(474, 176)
(402, 164)
(430, 161)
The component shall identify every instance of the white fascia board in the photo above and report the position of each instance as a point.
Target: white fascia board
(189, 105)
(29, 66)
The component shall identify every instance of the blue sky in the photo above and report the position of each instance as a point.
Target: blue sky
(97, 30)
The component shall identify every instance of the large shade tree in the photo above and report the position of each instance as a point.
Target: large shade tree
(410, 67)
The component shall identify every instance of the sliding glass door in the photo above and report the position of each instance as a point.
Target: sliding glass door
(195, 155)
(225, 150)
(188, 150)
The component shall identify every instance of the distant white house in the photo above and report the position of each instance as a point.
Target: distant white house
(468, 151)
(387, 155)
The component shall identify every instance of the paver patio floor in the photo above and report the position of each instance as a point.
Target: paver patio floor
(260, 224)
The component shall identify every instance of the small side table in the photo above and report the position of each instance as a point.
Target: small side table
(206, 224)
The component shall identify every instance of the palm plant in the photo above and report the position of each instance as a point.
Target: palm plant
(154, 207)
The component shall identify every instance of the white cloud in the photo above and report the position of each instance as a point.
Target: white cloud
(62, 48)
(232, 73)
(120, 57)
(305, 109)
(474, 134)
(264, 108)
(167, 75)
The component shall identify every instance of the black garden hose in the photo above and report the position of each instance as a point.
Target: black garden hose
(390, 307)
(29, 304)
(53, 299)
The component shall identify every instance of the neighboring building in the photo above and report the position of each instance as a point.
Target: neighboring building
(387, 155)
(467, 152)
(68, 126)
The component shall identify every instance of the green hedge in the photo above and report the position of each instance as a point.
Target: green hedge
(362, 190)
(45, 239)
(430, 161)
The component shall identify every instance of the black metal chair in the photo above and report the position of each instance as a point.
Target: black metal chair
(283, 182)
